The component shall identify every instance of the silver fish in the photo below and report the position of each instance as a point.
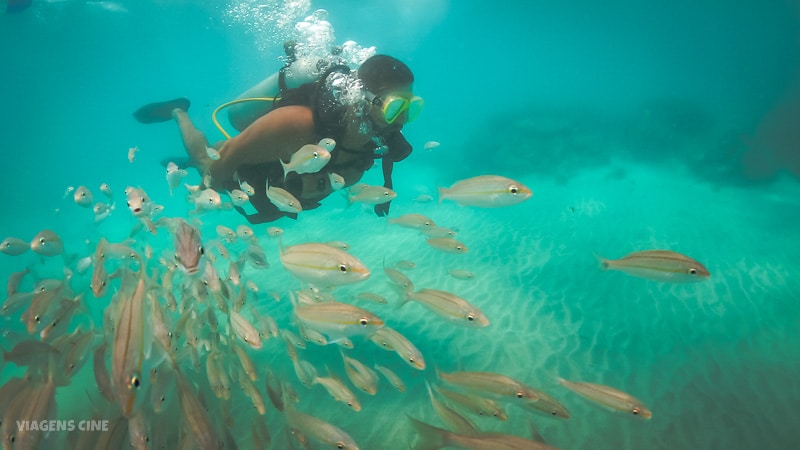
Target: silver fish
(226, 234)
(128, 349)
(213, 153)
(337, 181)
(490, 383)
(101, 376)
(47, 243)
(448, 245)
(322, 265)
(239, 197)
(101, 211)
(15, 279)
(206, 199)
(370, 195)
(390, 339)
(452, 418)
(474, 403)
(659, 265)
(138, 202)
(284, 200)
(83, 197)
(434, 437)
(339, 392)
(245, 330)
(391, 377)
(327, 143)
(360, 375)
(450, 307)
(320, 430)
(461, 274)
(106, 190)
(309, 159)
(196, 418)
(487, 191)
(14, 246)
(609, 397)
(337, 319)
(174, 176)
(188, 248)
(414, 221)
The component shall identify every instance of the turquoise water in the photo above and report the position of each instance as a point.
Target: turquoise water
(636, 127)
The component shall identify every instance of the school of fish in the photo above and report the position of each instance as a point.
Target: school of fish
(183, 328)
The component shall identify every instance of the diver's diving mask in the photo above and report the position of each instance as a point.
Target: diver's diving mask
(393, 106)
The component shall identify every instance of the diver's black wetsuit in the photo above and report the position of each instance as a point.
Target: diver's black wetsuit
(329, 123)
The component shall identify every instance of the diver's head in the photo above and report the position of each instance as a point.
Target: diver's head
(388, 83)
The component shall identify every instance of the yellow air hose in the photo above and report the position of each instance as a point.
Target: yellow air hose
(233, 102)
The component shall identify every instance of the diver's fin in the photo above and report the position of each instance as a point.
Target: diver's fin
(160, 111)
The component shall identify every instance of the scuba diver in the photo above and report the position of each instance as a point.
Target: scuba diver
(308, 100)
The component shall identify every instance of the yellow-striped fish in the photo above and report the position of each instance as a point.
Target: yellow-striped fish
(337, 320)
(448, 245)
(128, 349)
(323, 265)
(451, 307)
(608, 397)
(433, 437)
(487, 191)
(490, 383)
(659, 265)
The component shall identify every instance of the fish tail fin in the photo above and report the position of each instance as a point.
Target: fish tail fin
(404, 297)
(442, 193)
(601, 262)
(285, 171)
(430, 437)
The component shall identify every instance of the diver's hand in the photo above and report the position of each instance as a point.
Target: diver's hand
(382, 210)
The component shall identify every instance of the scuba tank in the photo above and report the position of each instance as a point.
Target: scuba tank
(296, 72)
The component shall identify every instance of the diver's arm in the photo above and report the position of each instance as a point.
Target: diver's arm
(272, 138)
(387, 164)
(399, 149)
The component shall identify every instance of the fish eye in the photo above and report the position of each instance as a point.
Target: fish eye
(459, 248)
(520, 395)
(340, 445)
(135, 380)
(316, 155)
(553, 412)
(42, 241)
(692, 271)
(201, 250)
(343, 267)
(635, 411)
(513, 189)
(411, 360)
(470, 317)
(363, 321)
(386, 193)
(37, 318)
